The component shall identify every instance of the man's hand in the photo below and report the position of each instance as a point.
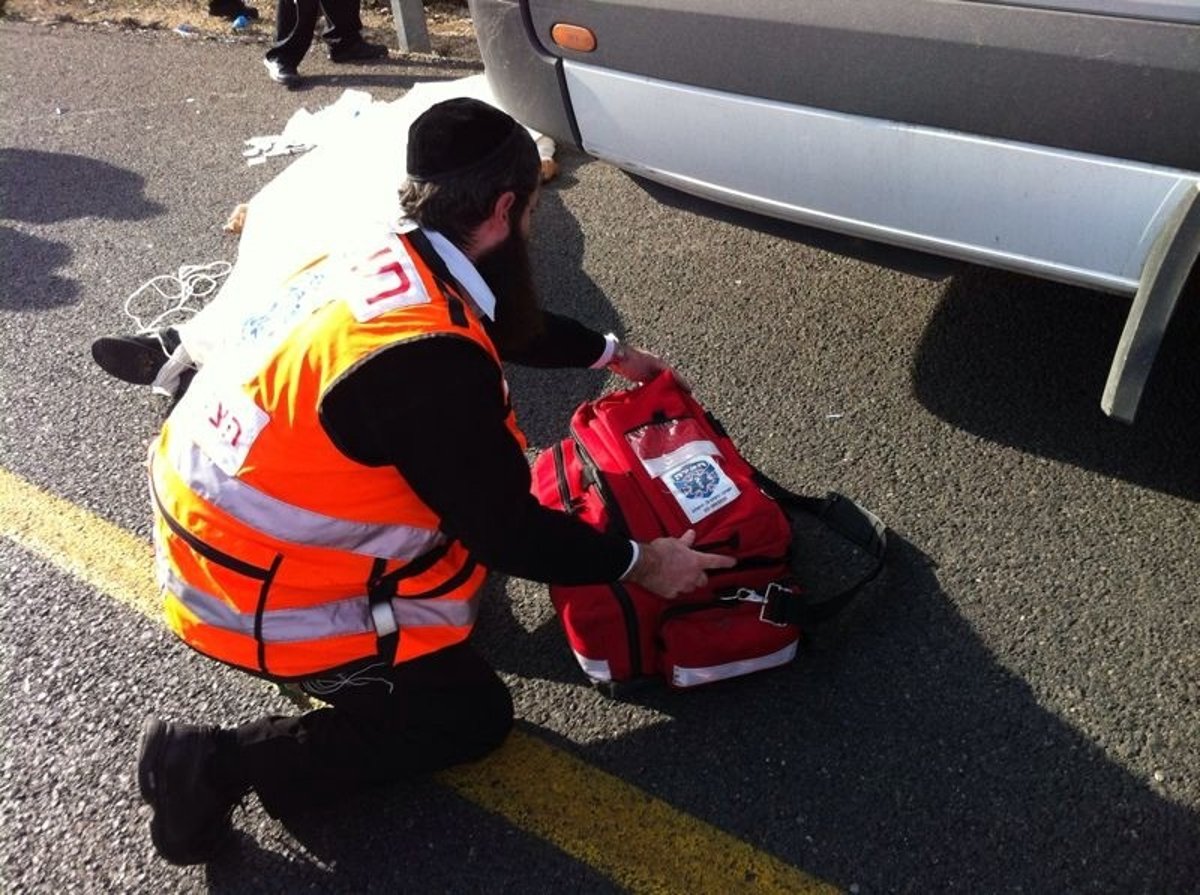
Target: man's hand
(636, 364)
(670, 567)
(640, 366)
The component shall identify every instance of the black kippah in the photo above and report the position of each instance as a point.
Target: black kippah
(456, 137)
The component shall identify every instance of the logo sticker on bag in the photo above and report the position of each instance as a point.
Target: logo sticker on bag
(701, 487)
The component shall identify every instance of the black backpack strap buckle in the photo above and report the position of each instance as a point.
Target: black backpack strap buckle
(778, 603)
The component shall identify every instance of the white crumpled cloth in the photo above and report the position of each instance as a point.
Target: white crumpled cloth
(342, 192)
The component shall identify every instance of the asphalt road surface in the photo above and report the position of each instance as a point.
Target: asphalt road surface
(1013, 707)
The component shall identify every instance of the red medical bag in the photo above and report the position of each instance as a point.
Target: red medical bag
(651, 462)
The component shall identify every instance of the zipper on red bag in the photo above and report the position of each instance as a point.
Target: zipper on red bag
(730, 543)
(560, 473)
(607, 498)
(726, 545)
(616, 521)
(749, 562)
(689, 608)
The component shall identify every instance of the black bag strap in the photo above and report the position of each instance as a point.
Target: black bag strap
(846, 518)
(381, 590)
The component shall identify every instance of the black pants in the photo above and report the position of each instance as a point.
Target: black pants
(384, 724)
(296, 20)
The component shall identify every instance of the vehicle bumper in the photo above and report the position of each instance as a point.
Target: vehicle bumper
(526, 79)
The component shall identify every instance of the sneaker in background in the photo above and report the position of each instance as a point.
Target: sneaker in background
(282, 72)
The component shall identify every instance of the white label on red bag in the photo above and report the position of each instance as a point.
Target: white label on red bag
(700, 486)
(656, 466)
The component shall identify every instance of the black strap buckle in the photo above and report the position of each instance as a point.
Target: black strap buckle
(381, 589)
(774, 601)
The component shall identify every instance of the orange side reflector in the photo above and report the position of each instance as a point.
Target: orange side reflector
(573, 37)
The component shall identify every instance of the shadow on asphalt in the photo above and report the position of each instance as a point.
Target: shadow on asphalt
(49, 187)
(557, 251)
(392, 840)
(28, 266)
(380, 79)
(897, 740)
(1023, 362)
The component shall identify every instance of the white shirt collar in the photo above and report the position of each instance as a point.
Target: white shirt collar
(464, 271)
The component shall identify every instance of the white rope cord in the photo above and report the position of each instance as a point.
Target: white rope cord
(174, 292)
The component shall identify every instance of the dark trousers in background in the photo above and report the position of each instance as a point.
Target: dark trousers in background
(384, 724)
(296, 21)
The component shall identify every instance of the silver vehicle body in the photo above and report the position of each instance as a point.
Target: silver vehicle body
(1057, 139)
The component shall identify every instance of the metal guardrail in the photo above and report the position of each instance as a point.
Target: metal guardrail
(411, 31)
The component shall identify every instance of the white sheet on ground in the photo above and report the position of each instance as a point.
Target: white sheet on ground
(343, 192)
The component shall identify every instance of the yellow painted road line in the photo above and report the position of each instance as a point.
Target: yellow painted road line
(637, 840)
(104, 555)
(634, 838)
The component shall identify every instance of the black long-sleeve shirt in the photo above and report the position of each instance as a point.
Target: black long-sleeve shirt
(435, 409)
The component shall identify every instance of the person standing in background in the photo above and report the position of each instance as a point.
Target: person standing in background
(295, 24)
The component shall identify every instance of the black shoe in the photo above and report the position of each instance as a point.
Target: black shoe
(231, 9)
(135, 359)
(282, 72)
(357, 51)
(176, 777)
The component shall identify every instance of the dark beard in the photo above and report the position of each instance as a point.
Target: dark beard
(508, 272)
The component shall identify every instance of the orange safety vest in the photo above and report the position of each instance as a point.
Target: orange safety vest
(276, 552)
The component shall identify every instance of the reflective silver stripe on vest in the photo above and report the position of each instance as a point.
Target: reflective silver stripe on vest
(288, 522)
(332, 619)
